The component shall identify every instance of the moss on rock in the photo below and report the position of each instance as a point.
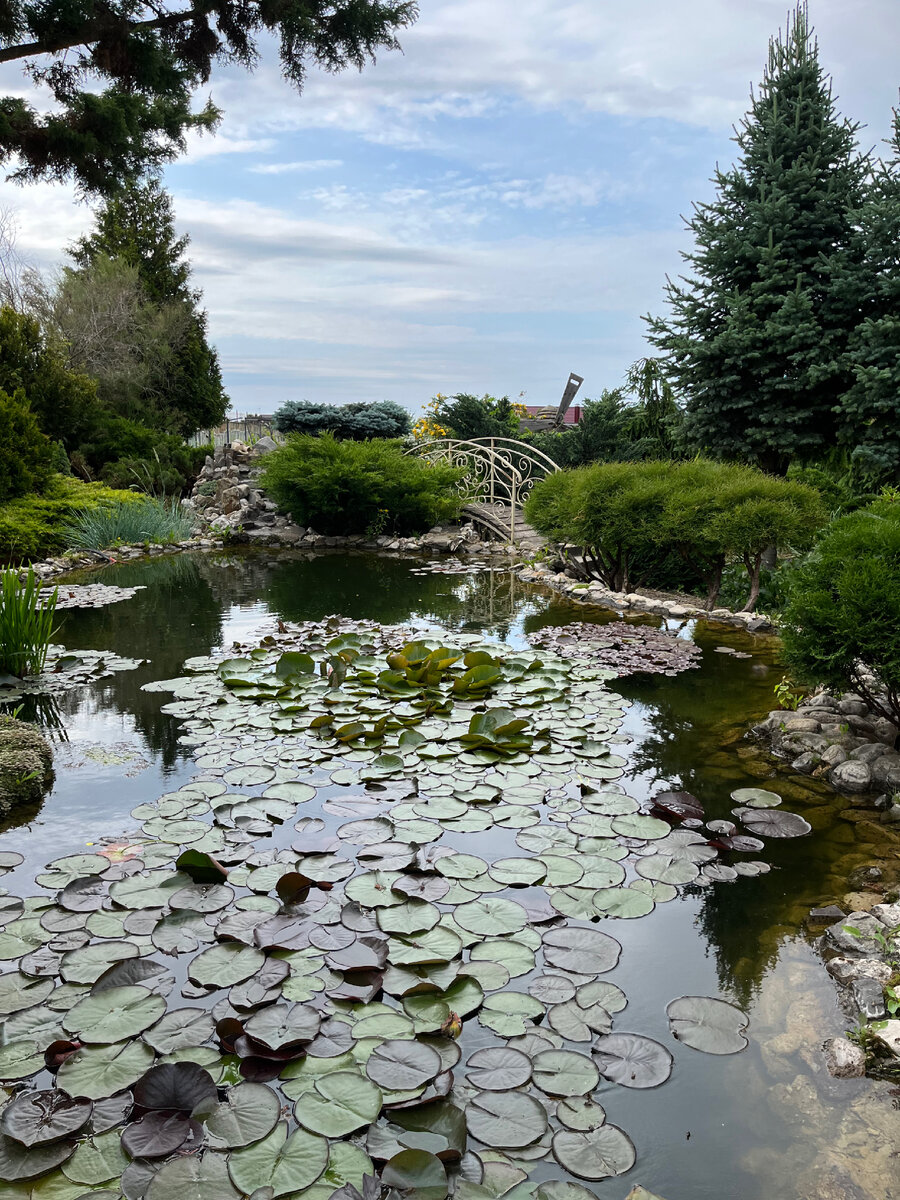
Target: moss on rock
(26, 763)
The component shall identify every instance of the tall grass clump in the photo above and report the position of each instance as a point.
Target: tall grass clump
(26, 624)
(146, 520)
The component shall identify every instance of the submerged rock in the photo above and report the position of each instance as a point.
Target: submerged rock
(26, 763)
(844, 1059)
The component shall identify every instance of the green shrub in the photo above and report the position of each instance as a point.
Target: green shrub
(32, 526)
(631, 519)
(125, 522)
(843, 609)
(25, 454)
(26, 624)
(127, 454)
(379, 419)
(353, 487)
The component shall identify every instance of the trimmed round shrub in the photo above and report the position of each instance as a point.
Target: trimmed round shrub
(842, 617)
(350, 487)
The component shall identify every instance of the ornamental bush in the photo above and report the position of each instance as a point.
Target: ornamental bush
(351, 487)
(629, 518)
(32, 527)
(841, 623)
(380, 419)
(25, 454)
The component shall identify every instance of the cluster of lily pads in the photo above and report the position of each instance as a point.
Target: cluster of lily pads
(88, 595)
(370, 993)
(620, 648)
(63, 670)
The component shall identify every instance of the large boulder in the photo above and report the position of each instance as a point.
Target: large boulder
(26, 764)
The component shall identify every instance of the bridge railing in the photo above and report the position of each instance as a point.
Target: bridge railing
(498, 471)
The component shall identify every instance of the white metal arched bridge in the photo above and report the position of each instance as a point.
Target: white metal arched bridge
(499, 476)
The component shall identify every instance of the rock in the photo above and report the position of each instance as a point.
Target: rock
(851, 776)
(826, 916)
(852, 704)
(844, 1059)
(861, 901)
(886, 771)
(862, 876)
(885, 730)
(868, 996)
(868, 752)
(805, 764)
(887, 914)
(856, 943)
(265, 445)
(794, 723)
(891, 816)
(845, 970)
(888, 1033)
(26, 763)
(834, 755)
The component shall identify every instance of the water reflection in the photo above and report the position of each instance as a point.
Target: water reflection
(767, 1121)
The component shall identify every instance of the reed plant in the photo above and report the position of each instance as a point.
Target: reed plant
(147, 519)
(26, 624)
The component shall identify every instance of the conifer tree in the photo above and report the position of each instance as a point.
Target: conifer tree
(869, 414)
(137, 225)
(756, 338)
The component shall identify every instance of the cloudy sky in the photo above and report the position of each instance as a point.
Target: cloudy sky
(486, 212)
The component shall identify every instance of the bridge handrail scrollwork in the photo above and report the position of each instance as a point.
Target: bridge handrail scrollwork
(498, 471)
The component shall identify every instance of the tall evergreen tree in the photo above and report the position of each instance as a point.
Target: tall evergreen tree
(869, 414)
(137, 225)
(756, 338)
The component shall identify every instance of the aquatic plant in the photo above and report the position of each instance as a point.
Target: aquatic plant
(26, 624)
(349, 965)
(123, 523)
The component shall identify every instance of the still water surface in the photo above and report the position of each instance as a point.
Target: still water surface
(765, 1123)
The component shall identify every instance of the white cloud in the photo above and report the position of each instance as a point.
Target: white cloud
(304, 165)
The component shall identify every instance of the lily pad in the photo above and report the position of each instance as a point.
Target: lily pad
(632, 1060)
(708, 1024)
(596, 1154)
(507, 1120)
(283, 1163)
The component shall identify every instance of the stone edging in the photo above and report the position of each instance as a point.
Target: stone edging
(635, 603)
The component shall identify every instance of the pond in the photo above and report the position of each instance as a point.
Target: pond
(764, 1122)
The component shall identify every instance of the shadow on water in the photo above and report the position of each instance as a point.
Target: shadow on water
(767, 1121)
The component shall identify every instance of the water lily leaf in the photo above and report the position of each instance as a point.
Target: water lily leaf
(399, 1065)
(581, 1113)
(755, 798)
(200, 867)
(89, 963)
(577, 1022)
(225, 964)
(515, 956)
(150, 890)
(491, 915)
(283, 1025)
(34, 1118)
(114, 1014)
(594, 1155)
(678, 805)
(176, 1087)
(584, 951)
(637, 825)
(338, 1104)
(159, 1134)
(95, 1072)
(202, 897)
(285, 1164)
(666, 868)
(191, 1178)
(498, 1069)
(413, 916)
(507, 1120)
(249, 1112)
(179, 1029)
(181, 933)
(626, 902)
(632, 1060)
(773, 822)
(19, 1059)
(507, 1013)
(551, 989)
(416, 1174)
(708, 1024)
(96, 1160)
(18, 1162)
(565, 1073)
(19, 991)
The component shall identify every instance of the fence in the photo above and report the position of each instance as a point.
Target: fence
(239, 429)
